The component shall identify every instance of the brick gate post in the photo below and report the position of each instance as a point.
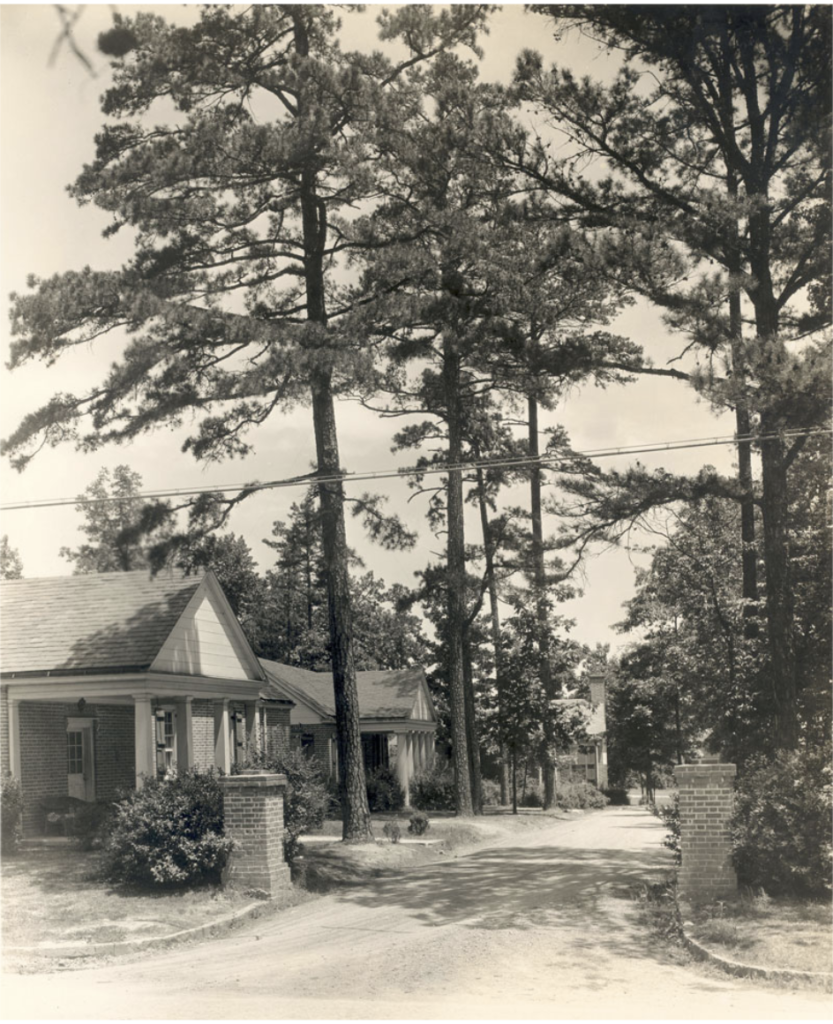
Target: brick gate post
(253, 812)
(706, 802)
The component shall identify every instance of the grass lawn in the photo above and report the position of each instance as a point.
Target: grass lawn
(324, 866)
(778, 933)
(53, 895)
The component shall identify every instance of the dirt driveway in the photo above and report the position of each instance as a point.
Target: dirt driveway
(543, 930)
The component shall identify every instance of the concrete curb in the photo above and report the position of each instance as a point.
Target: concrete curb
(740, 970)
(200, 931)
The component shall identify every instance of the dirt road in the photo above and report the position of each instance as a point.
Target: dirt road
(543, 930)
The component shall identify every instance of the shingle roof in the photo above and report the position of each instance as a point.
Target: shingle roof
(108, 621)
(382, 694)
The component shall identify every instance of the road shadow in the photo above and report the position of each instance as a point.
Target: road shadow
(521, 887)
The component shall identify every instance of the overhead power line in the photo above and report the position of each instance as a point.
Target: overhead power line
(406, 471)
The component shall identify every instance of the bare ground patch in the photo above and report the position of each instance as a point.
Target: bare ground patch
(54, 895)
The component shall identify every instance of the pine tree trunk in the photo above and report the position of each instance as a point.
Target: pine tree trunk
(779, 595)
(456, 584)
(472, 738)
(539, 578)
(356, 826)
(494, 612)
(749, 561)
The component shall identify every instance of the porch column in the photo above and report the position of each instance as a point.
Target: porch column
(408, 751)
(252, 730)
(14, 738)
(145, 739)
(419, 752)
(400, 765)
(429, 750)
(222, 738)
(184, 734)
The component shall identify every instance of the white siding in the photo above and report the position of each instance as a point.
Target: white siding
(422, 709)
(302, 714)
(201, 644)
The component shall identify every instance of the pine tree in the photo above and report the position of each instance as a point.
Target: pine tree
(718, 190)
(239, 202)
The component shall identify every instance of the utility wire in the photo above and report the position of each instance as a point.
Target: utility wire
(406, 471)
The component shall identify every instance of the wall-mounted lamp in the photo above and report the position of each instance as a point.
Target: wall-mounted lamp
(81, 705)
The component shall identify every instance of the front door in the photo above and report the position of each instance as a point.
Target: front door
(80, 759)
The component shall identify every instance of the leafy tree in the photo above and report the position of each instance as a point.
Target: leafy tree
(112, 510)
(238, 201)
(694, 651)
(530, 718)
(432, 311)
(552, 293)
(290, 624)
(716, 137)
(11, 565)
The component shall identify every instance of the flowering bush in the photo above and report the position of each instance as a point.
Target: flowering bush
(782, 823)
(169, 832)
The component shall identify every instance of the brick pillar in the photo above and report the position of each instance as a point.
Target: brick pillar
(253, 812)
(706, 802)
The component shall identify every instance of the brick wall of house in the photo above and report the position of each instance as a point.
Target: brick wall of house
(43, 758)
(276, 728)
(320, 736)
(115, 749)
(43, 753)
(5, 759)
(202, 724)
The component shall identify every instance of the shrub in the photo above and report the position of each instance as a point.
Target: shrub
(392, 831)
(419, 823)
(93, 823)
(781, 828)
(491, 793)
(533, 796)
(308, 796)
(433, 790)
(579, 795)
(383, 791)
(617, 797)
(670, 814)
(169, 832)
(11, 813)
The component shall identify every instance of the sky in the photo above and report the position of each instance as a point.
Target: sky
(48, 117)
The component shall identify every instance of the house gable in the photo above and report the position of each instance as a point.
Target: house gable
(423, 709)
(206, 640)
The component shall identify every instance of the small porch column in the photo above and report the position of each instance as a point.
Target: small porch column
(408, 757)
(184, 734)
(399, 747)
(253, 737)
(222, 736)
(145, 739)
(14, 738)
(429, 750)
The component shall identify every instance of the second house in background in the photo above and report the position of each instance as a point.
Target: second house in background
(398, 721)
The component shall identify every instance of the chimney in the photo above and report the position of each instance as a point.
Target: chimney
(597, 689)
